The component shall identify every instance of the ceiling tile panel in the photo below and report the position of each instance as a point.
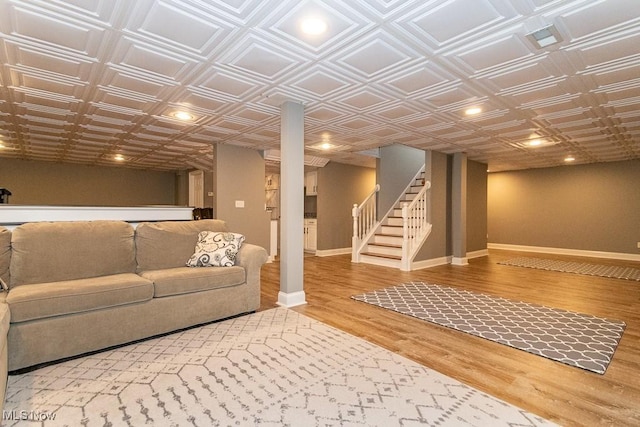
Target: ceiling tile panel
(177, 26)
(321, 82)
(494, 54)
(83, 79)
(228, 85)
(420, 78)
(28, 23)
(377, 54)
(609, 50)
(262, 58)
(433, 21)
(363, 99)
(153, 62)
(596, 18)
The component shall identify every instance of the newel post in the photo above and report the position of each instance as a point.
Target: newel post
(355, 239)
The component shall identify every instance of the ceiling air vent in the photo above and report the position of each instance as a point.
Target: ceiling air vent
(544, 37)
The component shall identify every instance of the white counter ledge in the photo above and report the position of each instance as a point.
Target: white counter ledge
(14, 215)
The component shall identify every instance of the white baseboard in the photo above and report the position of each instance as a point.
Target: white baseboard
(292, 299)
(332, 252)
(478, 254)
(427, 263)
(563, 251)
(460, 261)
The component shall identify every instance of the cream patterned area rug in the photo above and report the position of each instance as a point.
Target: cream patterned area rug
(600, 270)
(580, 340)
(271, 368)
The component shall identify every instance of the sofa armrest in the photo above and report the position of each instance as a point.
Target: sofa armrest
(5, 318)
(252, 257)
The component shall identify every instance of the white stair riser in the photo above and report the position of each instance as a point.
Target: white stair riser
(394, 221)
(395, 231)
(384, 250)
(389, 240)
(385, 262)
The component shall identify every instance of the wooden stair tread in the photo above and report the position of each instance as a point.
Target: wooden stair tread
(386, 245)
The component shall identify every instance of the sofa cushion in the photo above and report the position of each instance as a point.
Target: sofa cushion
(55, 251)
(30, 302)
(5, 254)
(184, 280)
(216, 249)
(168, 244)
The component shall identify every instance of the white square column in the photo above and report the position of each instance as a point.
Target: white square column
(291, 205)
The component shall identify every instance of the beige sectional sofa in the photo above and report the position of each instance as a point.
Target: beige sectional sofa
(77, 287)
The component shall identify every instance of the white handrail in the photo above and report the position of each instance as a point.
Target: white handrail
(365, 217)
(416, 223)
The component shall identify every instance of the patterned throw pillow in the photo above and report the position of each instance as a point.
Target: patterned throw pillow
(216, 249)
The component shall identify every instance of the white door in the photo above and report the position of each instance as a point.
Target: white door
(196, 189)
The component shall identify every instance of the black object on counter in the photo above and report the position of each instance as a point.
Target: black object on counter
(4, 195)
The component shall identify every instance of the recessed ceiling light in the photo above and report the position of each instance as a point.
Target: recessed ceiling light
(569, 159)
(326, 146)
(535, 142)
(472, 111)
(313, 26)
(118, 158)
(183, 115)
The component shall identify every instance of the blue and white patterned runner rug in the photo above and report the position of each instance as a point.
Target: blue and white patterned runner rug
(580, 340)
(600, 270)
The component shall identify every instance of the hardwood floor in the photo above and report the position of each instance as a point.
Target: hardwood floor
(563, 394)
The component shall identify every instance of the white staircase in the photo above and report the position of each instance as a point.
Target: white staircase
(395, 240)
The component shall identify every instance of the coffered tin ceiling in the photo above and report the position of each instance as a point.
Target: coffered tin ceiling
(84, 80)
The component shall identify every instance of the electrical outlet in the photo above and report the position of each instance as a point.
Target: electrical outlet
(239, 203)
(638, 245)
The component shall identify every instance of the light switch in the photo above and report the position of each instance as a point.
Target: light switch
(239, 203)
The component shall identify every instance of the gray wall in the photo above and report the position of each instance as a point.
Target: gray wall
(182, 188)
(594, 207)
(476, 206)
(50, 183)
(340, 186)
(438, 171)
(395, 168)
(238, 174)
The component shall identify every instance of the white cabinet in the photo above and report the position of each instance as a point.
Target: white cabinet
(311, 183)
(310, 234)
